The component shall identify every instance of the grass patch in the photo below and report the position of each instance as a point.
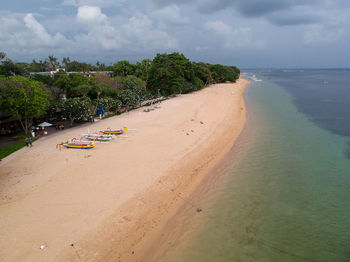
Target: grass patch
(7, 150)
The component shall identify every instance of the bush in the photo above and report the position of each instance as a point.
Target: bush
(109, 104)
(169, 73)
(198, 83)
(128, 98)
(77, 108)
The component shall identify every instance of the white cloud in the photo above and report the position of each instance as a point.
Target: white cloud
(37, 29)
(90, 15)
(90, 33)
(42, 36)
(137, 33)
(111, 29)
(171, 15)
(241, 37)
(100, 3)
(141, 31)
(64, 24)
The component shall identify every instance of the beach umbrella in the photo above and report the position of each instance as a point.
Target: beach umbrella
(45, 124)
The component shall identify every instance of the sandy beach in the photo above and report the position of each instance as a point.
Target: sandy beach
(109, 203)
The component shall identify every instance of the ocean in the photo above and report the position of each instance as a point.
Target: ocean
(283, 191)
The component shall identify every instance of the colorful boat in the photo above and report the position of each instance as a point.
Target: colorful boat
(115, 132)
(97, 137)
(79, 144)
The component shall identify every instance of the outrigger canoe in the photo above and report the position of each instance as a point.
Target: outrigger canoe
(115, 132)
(78, 144)
(96, 137)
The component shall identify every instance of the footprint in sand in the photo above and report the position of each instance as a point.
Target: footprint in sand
(126, 218)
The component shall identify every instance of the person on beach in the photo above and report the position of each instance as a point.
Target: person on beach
(30, 141)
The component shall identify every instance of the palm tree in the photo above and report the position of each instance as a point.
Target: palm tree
(53, 63)
(2, 56)
(66, 62)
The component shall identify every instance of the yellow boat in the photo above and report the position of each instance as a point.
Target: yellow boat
(115, 132)
(78, 144)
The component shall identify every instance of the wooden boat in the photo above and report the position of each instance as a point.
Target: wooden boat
(115, 132)
(97, 137)
(79, 144)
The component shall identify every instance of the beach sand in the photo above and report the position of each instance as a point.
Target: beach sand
(110, 203)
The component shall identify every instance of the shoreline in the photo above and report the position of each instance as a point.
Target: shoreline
(181, 230)
(105, 203)
(159, 241)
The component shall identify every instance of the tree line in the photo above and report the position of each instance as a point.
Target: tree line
(31, 96)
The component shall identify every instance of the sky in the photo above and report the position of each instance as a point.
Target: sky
(245, 33)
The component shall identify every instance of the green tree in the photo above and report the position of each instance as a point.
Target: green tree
(137, 86)
(53, 63)
(2, 56)
(169, 73)
(65, 62)
(197, 83)
(73, 109)
(132, 82)
(222, 73)
(100, 66)
(34, 66)
(24, 98)
(74, 84)
(75, 66)
(202, 71)
(235, 69)
(123, 68)
(109, 104)
(128, 98)
(47, 80)
(142, 69)
(81, 90)
(9, 68)
(106, 80)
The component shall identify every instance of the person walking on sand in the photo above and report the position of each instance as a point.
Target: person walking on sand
(30, 141)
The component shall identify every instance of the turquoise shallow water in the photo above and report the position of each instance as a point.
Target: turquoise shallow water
(285, 198)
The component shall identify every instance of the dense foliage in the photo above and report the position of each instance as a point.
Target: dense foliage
(24, 98)
(175, 74)
(73, 109)
(170, 74)
(77, 92)
(110, 104)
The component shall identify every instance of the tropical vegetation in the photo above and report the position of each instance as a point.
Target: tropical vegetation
(73, 90)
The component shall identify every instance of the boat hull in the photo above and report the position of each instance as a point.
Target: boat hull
(78, 147)
(113, 132)
(88, 145)
(98, 139)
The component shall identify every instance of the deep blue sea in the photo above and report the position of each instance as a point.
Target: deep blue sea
(322, 95)
(283, 192)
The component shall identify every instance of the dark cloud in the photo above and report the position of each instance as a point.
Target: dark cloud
(285, 19)
(162, 3)
(256, 8)
(213, 6)
(262, 32)
(279, 12)
(248, 8)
